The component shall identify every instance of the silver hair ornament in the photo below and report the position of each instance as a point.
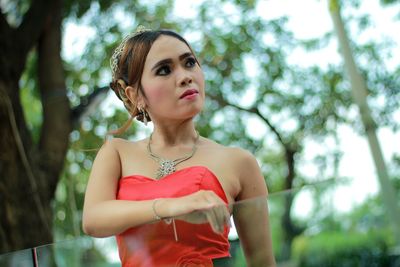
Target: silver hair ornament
(118, 51)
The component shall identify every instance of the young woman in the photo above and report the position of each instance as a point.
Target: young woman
(168, 197)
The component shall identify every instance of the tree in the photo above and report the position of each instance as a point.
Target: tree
(359, 90)
(30, 171)
(29, 168)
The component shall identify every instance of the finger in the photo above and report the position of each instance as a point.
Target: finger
(212, 217)
(221, 212)
(227, 215)
(195, 217)
(223, 216)
(212, 220)
(220, 215)
(198, 217)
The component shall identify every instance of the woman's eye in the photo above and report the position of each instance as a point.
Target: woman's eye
(164, 70)
(190, 62)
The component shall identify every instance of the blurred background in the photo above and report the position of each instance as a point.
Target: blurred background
(310, 87)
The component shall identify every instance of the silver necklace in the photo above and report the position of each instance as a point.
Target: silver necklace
(169, 166)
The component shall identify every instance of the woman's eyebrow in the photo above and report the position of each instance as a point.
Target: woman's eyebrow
(169, 60)
(185, 55)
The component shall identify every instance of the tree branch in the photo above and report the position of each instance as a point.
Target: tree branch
(5, 28)
(29, 31)
(56, 126)
(221, 101)
(25, 160)
(88, 104)
(5, 45)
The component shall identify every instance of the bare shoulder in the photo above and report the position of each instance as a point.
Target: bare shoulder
(241, 155)
(234, 155)
(117, 142)
(237, 158)
(120, 144)
(248, 171)
(112, 157)
(245, 162)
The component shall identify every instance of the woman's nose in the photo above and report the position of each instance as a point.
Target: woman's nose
(185, 78)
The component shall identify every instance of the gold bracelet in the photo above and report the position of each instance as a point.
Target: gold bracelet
(158, 217)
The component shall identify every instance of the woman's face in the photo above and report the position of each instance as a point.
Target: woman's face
(172, 80)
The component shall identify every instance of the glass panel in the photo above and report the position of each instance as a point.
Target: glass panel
(317, 226)
(21, 258)
(83, 251)
(308, 227)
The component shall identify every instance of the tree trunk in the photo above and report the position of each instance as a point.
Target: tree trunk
(57, 124)
(290, 231)
(24, 219)
(29, 172)
(360, 92)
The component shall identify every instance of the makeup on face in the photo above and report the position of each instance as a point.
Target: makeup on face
(172, 79)
(190, 62)
(189, 94)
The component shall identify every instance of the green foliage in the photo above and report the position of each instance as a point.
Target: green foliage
(361, 237)
(274, 167)
(15, 10)
(389, 2)
(30, 98)
(342, 249)
(394, 169)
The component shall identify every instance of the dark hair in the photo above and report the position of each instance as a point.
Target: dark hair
(131, 63)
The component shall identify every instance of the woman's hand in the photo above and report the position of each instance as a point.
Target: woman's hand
(200, 207)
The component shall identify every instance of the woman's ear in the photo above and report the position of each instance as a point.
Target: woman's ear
(135, 96)
(131, 94)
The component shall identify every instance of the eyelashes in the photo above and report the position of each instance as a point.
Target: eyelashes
(163, 70)
(166, 69)
(190, 62)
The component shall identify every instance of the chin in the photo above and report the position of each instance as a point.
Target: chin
(191, 115)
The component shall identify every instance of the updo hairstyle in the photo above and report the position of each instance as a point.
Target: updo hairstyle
(129, 64)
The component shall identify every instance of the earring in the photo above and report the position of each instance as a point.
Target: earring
(145, 117)
(143, 113)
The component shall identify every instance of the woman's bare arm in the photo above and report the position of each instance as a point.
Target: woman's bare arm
(104, 215)
(251, 214)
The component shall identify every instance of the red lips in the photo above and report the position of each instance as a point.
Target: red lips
(189, 92)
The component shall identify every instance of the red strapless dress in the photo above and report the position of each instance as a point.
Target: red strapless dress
(154, 244)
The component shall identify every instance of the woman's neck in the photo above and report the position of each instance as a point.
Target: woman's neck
(174, 134)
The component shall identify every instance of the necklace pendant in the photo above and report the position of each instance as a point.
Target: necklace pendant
(166, 167)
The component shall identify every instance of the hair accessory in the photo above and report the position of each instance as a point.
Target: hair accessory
(168, 166)
(118, 51)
